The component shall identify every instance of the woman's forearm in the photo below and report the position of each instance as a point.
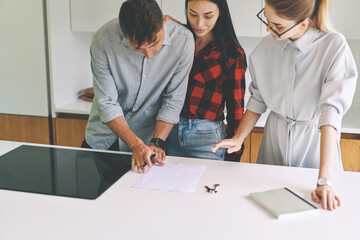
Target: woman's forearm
(327, 151)
(247, 124)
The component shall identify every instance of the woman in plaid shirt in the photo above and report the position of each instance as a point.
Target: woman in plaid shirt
(217, 79)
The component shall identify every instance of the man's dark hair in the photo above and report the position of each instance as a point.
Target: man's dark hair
(140, 21)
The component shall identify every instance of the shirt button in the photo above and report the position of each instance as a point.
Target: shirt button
(145, 75)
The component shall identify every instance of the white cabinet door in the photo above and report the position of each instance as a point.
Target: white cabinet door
(243, 14)
(90, 15)
(23, 83)
(174, 8)
(345, 17)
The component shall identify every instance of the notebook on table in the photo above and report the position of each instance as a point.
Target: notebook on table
(283, 203)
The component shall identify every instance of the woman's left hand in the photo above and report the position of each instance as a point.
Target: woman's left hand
(327, 197)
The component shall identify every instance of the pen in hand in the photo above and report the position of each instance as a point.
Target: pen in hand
(151, 159)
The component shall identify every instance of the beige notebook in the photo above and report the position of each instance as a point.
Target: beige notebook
(283, 203)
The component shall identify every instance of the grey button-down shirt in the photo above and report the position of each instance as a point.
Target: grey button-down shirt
(127, 84)
(307, 83)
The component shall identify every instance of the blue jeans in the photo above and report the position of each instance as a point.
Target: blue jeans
(195, 137)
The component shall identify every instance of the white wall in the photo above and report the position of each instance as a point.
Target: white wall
(355, 48)
(23, 84)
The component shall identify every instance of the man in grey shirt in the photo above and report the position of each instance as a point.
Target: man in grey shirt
(140, 63)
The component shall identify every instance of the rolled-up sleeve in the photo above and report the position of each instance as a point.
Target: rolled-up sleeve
(174, 95)
(106, 95)
(338, 88)
(255, 103)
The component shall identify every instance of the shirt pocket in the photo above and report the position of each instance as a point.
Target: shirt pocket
(209, 127)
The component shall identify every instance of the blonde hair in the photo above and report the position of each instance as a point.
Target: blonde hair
(315, 10)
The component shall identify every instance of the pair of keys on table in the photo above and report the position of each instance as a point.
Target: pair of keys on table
(212, 190)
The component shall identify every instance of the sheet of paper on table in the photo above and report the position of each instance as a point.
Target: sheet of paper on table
(171, 177)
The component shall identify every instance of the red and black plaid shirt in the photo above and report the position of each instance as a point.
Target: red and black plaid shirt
(211, 86)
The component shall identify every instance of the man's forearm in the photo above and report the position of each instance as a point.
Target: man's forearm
(121, 128)
(162, 130)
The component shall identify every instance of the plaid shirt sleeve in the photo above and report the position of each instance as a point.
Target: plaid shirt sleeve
(234, 97)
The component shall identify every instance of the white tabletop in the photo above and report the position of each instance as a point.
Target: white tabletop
(123, 212)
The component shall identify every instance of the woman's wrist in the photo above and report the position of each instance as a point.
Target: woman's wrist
(321, 182)
(238, 138)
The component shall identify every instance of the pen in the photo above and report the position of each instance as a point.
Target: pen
(151, 159)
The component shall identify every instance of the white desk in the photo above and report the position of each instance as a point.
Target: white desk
(126, 213)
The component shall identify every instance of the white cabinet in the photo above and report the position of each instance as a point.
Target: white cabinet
(23, 80)
(69, 58)
(345, 17)
(90, 15)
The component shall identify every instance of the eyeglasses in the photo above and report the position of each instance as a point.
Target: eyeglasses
(272, 29)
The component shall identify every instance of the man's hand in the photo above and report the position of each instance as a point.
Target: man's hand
(160, 154)
(327, 197)
(141, 155)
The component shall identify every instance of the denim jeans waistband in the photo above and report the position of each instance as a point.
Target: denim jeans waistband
(191, 122)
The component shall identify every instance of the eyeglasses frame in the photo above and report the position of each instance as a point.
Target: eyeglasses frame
(272, 29)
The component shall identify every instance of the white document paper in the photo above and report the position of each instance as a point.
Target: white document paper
(171, 177)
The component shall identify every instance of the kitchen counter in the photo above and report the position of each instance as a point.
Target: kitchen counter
(123, 212)
(77, 106)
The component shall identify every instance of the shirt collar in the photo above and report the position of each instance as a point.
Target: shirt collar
(304, 42)
(167, 40)
(124, 41)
